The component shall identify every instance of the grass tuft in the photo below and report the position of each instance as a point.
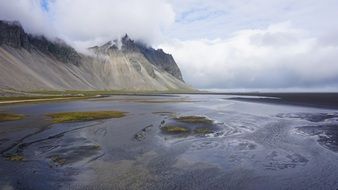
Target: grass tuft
(10, 117)
(15, 157)
(174, 129)
(203, 131)
(66, 117)
(194, 119)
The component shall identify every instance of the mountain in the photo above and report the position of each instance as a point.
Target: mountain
(31, 63)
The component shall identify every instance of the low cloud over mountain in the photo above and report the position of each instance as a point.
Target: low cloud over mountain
(217, 43)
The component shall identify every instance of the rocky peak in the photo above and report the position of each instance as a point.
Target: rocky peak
(157, 57)
(129, 45)
(104, 49)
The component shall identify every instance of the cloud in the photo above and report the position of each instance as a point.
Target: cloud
(279, 56)
(84, 22)
(225, 17)
(29, 13)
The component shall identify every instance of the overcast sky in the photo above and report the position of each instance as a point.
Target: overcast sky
(219, 44)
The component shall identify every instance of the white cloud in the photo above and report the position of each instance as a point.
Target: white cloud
(29, 13)
(83, 20)
(279, 56)
(219, 18)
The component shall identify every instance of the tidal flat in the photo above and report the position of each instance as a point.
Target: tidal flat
(177, 141)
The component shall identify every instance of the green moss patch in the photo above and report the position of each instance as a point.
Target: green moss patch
(10, 117)
(15, 157)
(194, 119)
(174, 129)
(189, 125)
(203, 131)
(84, 116)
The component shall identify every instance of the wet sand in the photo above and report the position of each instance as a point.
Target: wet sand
(252, 145)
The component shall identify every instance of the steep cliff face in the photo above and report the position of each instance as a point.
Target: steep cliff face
(30, 62)
(12, 34)
(158, 57)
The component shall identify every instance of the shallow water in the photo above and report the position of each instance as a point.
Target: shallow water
(256, 146)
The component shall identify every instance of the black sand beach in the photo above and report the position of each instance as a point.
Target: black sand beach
(183, 141)
(324, 100)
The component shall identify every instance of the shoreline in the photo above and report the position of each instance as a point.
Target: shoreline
(317, 100)
(308, 99)
(34, 99)
(31, 100)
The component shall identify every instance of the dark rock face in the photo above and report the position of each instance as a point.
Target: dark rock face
(129, 45)
(59, 50)
(163, 61)
(12, 34)
(157, 57)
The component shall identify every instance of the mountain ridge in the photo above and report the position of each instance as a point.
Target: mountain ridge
(157, 57)
(31, 62)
